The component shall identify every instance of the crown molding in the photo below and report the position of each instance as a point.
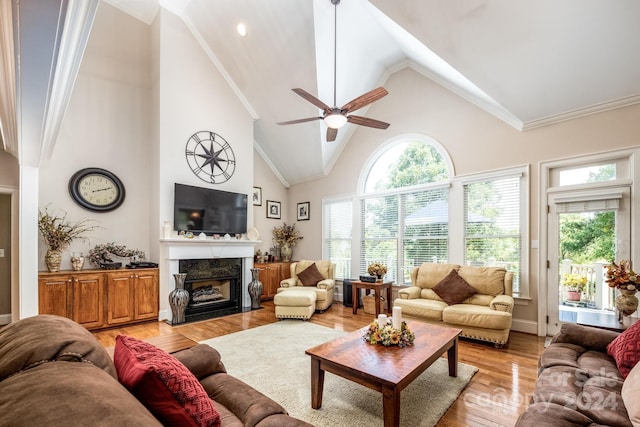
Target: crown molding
(582, 112)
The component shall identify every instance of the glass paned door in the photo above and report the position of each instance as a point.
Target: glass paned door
(586, 232)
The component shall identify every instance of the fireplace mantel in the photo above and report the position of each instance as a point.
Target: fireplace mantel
(176, 248)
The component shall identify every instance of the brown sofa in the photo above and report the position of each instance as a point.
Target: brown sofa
(578, 383)
(54, 372)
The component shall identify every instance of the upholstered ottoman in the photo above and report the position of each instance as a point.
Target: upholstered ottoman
(295, 304)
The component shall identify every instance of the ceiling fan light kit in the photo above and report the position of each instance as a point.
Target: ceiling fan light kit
(335, 117)
(335, 120)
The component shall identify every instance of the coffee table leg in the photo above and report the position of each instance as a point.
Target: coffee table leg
(452, 356)
(391, 406)
(317, 383)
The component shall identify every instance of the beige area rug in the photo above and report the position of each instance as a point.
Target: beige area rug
(271, 359)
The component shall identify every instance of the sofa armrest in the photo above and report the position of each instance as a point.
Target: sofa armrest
(585, 336)
(326, 284)
(289, 283)
(502, 303)
(412, 292)
(202, 360)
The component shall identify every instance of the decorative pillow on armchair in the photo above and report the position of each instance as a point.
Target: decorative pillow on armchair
(453, 289)
(625, 349)
(163, 384)
(310, 276)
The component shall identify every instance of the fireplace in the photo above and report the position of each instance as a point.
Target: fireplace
(214, 286)
(175, 249)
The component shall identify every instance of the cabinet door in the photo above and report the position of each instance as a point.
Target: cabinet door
(146, 295)
(268, 276)
(120, 297)
(88, 300)
(54, 295)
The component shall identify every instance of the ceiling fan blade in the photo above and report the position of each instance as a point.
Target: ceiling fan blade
(364, 100)
(312, 99)
(331, 134)
(293, 122)
(364, 121)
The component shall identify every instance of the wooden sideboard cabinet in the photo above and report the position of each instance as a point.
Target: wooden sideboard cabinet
(79, 297)
(100, 298)
(132, 295)
(271, 274)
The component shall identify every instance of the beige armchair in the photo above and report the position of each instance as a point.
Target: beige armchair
(319, 279)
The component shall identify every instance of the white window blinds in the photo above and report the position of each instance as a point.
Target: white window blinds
(338, 228)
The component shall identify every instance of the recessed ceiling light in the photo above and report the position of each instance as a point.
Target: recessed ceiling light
(242, 29)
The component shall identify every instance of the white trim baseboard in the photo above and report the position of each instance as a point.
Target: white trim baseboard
(526, 326)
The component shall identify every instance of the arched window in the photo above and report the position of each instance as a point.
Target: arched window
(407, 161)
(404, 206)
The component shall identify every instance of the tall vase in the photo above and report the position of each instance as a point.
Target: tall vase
(626, 303)
(53, 259)
(255, 288)
(178, 299)
(286, 251)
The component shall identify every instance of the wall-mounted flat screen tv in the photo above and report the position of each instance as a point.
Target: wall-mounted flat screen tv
(209, 211)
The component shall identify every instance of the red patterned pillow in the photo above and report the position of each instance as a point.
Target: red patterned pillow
(453, 289)
(625, 349)
(163, 384)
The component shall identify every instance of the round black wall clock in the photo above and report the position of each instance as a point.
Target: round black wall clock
(210, 157)
(96, 189)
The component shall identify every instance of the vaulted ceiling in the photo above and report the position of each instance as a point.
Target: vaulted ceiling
(529, 63)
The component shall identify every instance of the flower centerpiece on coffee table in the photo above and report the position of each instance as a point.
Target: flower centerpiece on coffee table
(387, 335)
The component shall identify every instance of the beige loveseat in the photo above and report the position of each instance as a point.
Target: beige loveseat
(486, 315)
(323, 288)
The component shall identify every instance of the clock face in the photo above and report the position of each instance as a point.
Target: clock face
(210, 157)
(96, 189)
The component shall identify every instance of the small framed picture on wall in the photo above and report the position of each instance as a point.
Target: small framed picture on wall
(303, 211)
(257, 196)
(273, 209)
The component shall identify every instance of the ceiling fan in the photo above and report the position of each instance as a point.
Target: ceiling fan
(335, 117)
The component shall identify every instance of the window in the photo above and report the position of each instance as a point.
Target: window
(404, 212)
(337, 232)
(492, 225)
(411, 210)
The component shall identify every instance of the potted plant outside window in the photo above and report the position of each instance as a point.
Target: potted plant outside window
(574, 283)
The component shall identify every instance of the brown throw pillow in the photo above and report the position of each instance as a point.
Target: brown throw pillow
(453, 289)
(310, 276)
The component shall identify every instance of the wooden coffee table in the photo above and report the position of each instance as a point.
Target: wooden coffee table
(385, 369)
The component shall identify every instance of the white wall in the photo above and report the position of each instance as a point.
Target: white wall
(272, 189)
(476, 142)
(107, 125)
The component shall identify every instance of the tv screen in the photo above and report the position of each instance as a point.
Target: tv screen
(204, 210)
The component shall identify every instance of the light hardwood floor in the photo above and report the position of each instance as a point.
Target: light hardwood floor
(497, 394)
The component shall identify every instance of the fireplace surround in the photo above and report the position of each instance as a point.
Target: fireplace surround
(214, 286)
(175, 250)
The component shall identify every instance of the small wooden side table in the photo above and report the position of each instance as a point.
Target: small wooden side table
(377, 288)
(603, 320)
